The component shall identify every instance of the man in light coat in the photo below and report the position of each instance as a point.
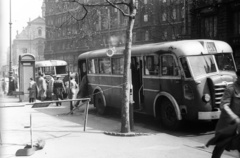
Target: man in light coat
(42, 86)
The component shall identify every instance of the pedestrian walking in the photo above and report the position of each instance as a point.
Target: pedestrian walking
(32, 90)
(66, 84)
(58, 90)
(82, 92)
(1, 89)
(12, 85)
(227, 136)
(50, 87)
(73, 89)
(4, 86)
(42, 87)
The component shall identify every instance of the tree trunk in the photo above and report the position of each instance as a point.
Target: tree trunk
(125, 121)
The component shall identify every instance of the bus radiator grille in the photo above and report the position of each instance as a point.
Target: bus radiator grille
(218, 92)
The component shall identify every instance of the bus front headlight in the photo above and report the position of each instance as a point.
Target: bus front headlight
(206, 98)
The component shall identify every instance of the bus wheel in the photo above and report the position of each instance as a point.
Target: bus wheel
(100, 103)
(168, 115)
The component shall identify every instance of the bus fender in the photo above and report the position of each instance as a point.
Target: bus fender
(100, 91)
(173, 101)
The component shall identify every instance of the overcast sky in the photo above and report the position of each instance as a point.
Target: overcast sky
(22, 11)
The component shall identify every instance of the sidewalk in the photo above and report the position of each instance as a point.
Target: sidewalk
(11, 101)
(65, 137)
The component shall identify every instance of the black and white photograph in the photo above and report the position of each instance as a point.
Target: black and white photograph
(120, 78)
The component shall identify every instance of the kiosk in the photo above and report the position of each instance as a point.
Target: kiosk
(26, 71)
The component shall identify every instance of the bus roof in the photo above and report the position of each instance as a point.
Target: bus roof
(180, 48)
(50, 63)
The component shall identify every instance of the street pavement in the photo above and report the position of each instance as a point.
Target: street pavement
(65, 137)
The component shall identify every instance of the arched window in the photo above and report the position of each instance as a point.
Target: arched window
(39, 31)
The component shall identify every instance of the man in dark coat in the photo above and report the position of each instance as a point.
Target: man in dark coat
(32, 90)
(227, 135)
(12, 85)
(58, 89)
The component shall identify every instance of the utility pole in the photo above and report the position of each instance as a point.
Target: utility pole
(10, 52)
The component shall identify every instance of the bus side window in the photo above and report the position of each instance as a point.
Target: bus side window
(117, 65)
(185, 67)
(105, 66)
(92, 66)
(151, 65)
(169, 67)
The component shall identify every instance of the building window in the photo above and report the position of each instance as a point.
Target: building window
(125, 22)
(39, 32)
(134, 37)
(164, 16)
(165, 35)
(98, 25)
(183, 13)
(145, 18)
(237, 23)
(25, 50)
(146, 36)
(209, 27)
(174, 14)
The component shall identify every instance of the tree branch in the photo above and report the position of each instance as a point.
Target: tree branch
(114, 5)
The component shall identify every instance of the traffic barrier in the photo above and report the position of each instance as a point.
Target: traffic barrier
(28, 149)
(17, 93)
(79, 103)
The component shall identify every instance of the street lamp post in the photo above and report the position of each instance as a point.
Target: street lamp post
(10, 53)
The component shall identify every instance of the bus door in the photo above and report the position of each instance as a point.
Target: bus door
(82, 69)
(171, 81)
(136, 67)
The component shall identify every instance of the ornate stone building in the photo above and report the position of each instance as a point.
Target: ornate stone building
(67, 35)
(30, 40)
(218, 19)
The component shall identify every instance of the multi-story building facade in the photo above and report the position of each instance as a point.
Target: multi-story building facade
(30, 40)
(68, 35)
(218, 19)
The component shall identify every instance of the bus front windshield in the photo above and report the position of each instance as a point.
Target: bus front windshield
(202, 65)
(61, 69)
(205, 64)
(225, 62)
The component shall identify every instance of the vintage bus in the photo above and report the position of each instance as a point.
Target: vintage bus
(173, 81)
(52, 67)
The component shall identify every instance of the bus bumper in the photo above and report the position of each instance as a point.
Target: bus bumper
(209, 115)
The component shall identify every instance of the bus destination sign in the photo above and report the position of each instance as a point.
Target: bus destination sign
(211, 48)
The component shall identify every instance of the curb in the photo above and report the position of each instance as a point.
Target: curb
(130, 134)
(12, 105)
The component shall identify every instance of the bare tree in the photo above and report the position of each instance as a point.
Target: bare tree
(84, 26)
(132, 4)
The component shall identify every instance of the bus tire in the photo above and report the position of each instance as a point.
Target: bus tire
(168, 116)
(100, 103)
